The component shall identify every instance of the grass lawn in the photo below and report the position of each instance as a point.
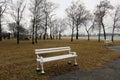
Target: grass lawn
(18, 62)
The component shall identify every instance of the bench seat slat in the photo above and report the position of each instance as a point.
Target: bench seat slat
(57, 58)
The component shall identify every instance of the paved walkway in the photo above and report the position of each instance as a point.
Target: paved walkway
(112, 72)
(115, 48)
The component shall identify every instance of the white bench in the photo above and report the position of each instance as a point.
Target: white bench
(41, 60)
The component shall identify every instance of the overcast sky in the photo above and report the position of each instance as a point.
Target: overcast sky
(90, 5)
(63, 4)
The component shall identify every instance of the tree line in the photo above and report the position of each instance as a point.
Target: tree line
(43, 19)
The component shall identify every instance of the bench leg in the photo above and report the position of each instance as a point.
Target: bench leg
(42, 72)
(38, 66)
(75, 62)
(69, 62)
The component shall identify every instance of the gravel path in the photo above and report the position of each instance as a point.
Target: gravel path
(111, 72)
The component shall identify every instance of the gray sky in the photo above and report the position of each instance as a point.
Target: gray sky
(63, 4)
(90, 5)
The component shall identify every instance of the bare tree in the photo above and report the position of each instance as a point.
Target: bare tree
(55, 30)
(88, 29)
(79, 17)
(116, 21)
(101, 11)
(48, 9)
(17, 10)
(3, 5)
(61, 27)
(88, 18)
(72, 27)
(77, 12)
(37, 15)
(71, 18)
(51, 25)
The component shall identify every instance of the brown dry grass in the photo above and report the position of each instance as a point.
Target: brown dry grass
(18, 62)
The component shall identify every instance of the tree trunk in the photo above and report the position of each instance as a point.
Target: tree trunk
(51, 34)
(72, 32)
(45, 34)
(72, 35)
(104, 30)
(0, 29)
(87, 32)
(114, 26)
(44, 37)
(77, 34)
(112, 38)
(88, 35)
(18, 24)
(99, 32)
(59, 36)
(36, 36)
(33, 32)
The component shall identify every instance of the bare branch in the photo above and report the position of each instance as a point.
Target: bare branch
(21, 13)
(4, 9)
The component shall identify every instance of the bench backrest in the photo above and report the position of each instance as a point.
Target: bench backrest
(49, 50)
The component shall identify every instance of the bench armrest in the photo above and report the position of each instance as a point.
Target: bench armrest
(39, 58)
(74, 53)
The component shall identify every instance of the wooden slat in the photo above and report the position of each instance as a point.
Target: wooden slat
(52, 48)
(57, 58)
(49, 50)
